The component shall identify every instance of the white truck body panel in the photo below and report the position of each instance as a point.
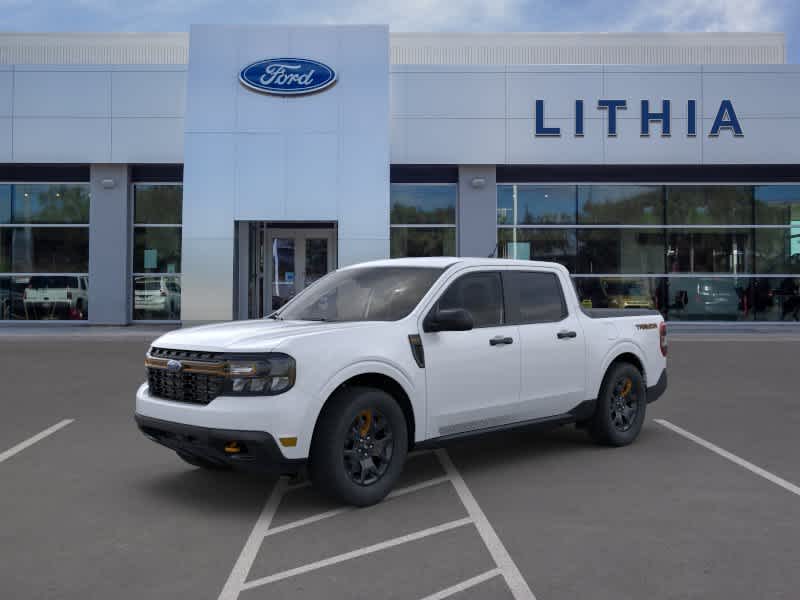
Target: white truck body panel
(466, 383)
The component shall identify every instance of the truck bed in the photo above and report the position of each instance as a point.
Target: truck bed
(610, 313)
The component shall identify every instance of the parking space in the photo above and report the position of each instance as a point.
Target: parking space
(95, 510)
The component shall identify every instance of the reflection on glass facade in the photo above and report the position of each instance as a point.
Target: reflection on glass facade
(157, 251)
(695, 253)
(423, 219)
(44, 251)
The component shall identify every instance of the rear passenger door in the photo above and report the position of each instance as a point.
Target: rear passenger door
(552, 345)
(472, 376)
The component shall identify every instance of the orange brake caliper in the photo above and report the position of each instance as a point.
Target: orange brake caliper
(366, 417)
(626, 389)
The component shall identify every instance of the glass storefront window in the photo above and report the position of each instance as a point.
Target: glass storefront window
(535, 204)
(620, 292)
(431, 209)
(44, 251)
(620, 251)
(620, 204)
(778, 205)
(419, 241)
(423, 204)
(44, 297)
(709, 205)
(156, 297)
(709, 298)
(51, 204)
(776, 299)
(156, 282)
(778, 250)
(556, 245)
(710, 251)
(158, 204)
(156, 250)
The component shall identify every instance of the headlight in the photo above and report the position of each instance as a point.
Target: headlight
(262, 376)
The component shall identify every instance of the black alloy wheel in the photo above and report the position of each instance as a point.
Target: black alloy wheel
(624, 404)
(621, 405)
(368, 447)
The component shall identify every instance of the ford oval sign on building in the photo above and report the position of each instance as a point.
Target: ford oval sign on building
(287, 76)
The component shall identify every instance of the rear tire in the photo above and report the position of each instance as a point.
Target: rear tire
(202, 463)
(359, 447)
(621, 405)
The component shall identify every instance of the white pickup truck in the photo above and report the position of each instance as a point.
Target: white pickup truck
(378, 358)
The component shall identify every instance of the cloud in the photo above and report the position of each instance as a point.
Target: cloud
(705, 15)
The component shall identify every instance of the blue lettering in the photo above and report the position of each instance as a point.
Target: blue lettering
(691, 118)
(648, 116)
(578, 118)
(541, 130)
(726, 119)
(612, 106)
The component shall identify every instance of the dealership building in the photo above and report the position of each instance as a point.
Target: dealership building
(211, 175)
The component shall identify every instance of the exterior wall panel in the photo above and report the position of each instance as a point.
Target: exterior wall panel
(299, 158)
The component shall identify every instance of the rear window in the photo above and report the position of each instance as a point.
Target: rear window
(148, 285)
(533, 297)
(53, 281)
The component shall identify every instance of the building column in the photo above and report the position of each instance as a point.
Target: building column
(477, 211)
(109, 242)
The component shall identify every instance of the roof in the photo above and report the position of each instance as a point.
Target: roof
(443, 262)
(522, 48)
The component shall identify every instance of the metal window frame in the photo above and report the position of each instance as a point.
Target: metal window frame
(39, 323)
(453, 226)
(577, 225)
(663, 227)
(132, 227)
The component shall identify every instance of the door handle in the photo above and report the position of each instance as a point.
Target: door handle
(500, 340)
(562, 335)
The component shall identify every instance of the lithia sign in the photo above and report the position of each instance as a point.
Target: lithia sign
(725, 120)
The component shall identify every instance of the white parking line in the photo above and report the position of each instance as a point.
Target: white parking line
(33, 439)
(771, 477)
(516, 582)
(417, 535)
(464, 585)
(346, 509)
(248, 554)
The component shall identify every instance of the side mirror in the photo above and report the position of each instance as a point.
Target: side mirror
(451, 319)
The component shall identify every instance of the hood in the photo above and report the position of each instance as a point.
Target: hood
(258, 335)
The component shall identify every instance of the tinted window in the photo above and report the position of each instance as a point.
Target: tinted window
(621, 204)
(362, 294)
(533, 297)
(478, 293)
(530, 204)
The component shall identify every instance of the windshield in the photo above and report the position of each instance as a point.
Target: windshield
(362, 294)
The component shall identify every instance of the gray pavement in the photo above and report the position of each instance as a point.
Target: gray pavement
(97, 511)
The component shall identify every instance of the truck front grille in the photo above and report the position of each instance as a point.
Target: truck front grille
(199, 381)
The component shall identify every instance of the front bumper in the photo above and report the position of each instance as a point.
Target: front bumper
(656, 391)
(260, 452)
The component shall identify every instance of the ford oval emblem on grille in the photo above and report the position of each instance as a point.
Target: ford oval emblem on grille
(174, 365)
(287, 76)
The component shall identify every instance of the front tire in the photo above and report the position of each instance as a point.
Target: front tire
(359, 446)
(621, 405)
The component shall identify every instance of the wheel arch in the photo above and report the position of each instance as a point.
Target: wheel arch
(629, 353)
(378, 376)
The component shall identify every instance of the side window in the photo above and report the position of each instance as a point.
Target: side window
(480, 294)
(533, 297)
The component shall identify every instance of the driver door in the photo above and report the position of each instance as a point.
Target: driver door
(472, 377)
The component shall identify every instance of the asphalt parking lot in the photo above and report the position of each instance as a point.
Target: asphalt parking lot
(704, 505)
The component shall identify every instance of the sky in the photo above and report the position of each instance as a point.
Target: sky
(414, 15)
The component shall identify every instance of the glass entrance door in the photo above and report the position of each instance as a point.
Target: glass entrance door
(296, 258)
